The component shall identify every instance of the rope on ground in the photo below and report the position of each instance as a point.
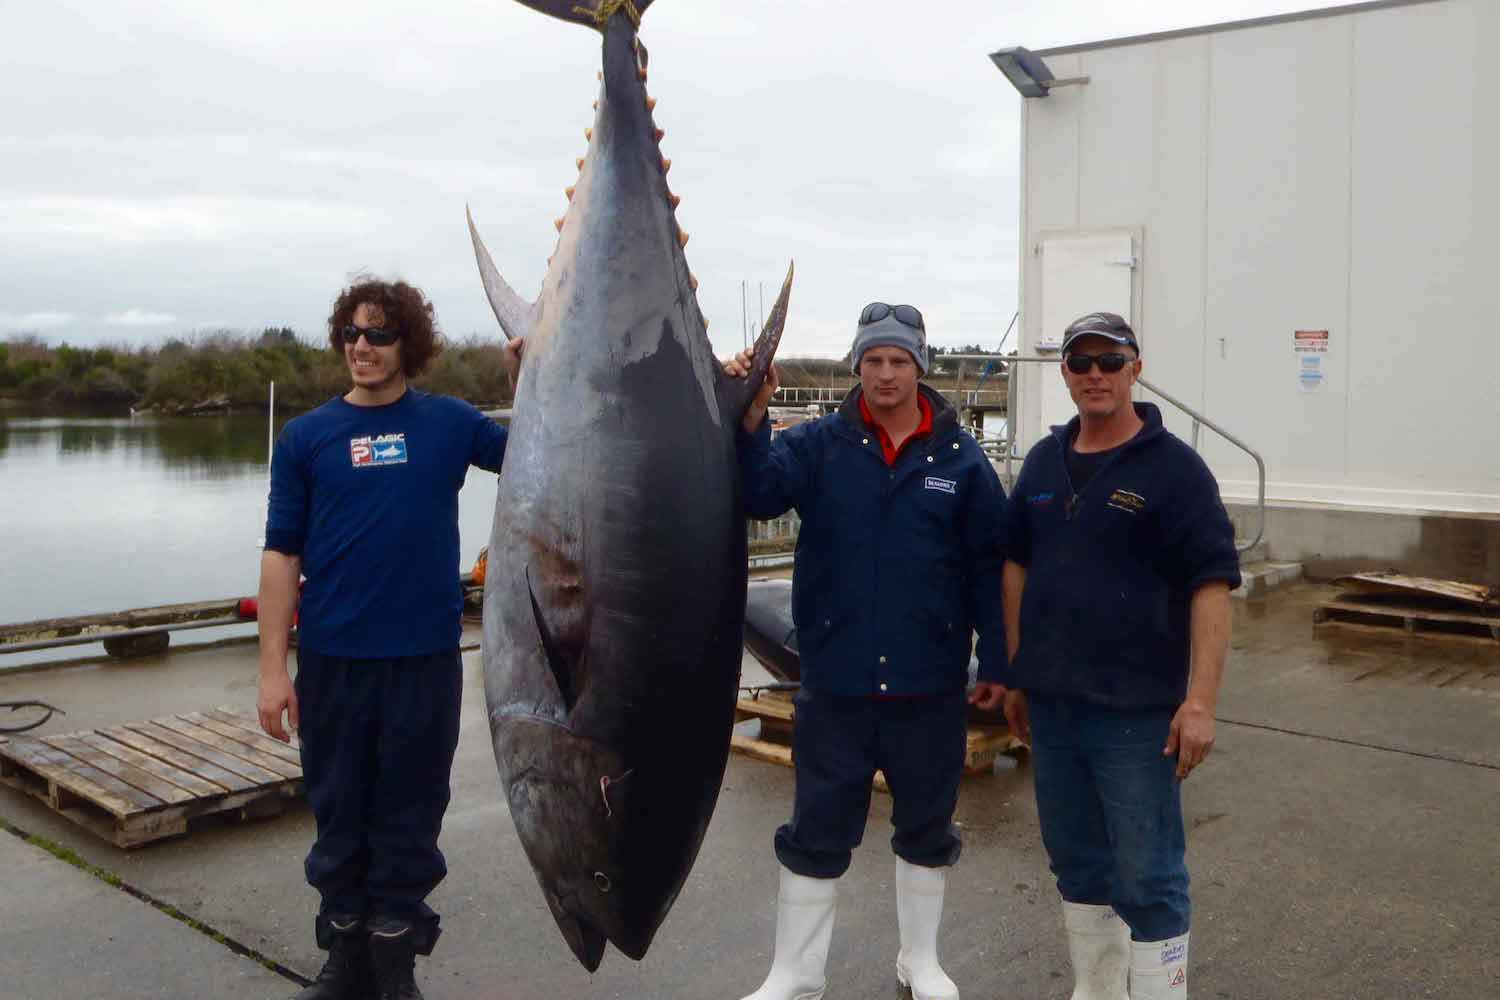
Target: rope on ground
(16, 706)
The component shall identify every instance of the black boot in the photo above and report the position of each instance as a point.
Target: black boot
(394, 947)
(346, 974)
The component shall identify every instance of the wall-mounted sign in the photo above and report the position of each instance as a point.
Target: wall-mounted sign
(1310, 347)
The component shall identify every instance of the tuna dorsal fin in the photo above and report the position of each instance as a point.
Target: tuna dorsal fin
(735, 394)
(513, 312)
(593, 13)
(563, 671)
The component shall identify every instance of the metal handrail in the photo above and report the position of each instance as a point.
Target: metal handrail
(1198, 419)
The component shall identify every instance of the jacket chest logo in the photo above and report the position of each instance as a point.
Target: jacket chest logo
(1130, 503)
(942, 485)
(387, 449)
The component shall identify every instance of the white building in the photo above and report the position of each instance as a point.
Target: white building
(1301, 217)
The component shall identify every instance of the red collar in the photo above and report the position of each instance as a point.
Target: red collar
(888, 449)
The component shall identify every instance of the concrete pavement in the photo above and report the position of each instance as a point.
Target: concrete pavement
(1342, 843)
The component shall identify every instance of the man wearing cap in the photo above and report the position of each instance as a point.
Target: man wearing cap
(1119, 562)
(898, 561)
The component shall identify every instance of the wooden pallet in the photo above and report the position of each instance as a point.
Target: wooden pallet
(143, 781)
(1377, 616)
(777, 717)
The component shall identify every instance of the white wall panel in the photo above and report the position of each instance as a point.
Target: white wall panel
(1334, 173)
(1277, 244)
(1426, 120)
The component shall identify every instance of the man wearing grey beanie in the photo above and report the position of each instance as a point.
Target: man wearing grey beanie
(898, 562)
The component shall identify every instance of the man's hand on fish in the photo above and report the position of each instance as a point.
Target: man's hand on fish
(739, 366)
(510, 357)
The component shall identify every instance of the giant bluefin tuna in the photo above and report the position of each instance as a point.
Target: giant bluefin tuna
(616, 587)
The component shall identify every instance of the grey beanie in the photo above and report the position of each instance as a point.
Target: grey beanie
(890, 332)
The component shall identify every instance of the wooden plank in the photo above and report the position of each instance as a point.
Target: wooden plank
(147, 782)
(775, 753)
(270, 763)
(66, 773)
(224, 778)
(766, 707)
(1405, 611)
(1474, 594)
(251, 727)
(166, 614)
(259, 741)
(176, 776)
(197, 748)
(1391, 632)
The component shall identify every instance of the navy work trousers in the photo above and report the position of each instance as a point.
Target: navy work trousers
(378, 738)
(1110, 807)
(838, 744)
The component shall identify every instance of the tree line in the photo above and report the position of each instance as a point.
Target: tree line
(230, 370)
(224, 370)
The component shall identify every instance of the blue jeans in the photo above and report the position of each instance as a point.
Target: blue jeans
(1111, 811)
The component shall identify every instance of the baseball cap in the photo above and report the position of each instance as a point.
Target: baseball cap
(1108, 325)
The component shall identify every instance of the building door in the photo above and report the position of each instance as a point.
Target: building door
(1081, 272)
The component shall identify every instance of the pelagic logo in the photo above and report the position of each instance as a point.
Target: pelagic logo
(1174, 952)
(1130, 503)
(387, 449)
(942, 485)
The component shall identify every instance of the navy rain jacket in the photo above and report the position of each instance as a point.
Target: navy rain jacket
(1111, 569)
(896, 566)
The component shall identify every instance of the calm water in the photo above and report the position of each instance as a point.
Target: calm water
(104, 513)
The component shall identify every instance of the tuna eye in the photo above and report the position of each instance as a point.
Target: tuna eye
(602, 881)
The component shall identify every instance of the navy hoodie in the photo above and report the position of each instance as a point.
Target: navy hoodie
(1111, 568)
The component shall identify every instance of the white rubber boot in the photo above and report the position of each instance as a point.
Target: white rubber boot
(805, 909)
(1158, 969)
(919, 910)
(1099, 945)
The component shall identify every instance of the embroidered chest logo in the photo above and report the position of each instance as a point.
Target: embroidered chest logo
(387, 449)
(1041, 498)
(1130, 503)
(942, 485)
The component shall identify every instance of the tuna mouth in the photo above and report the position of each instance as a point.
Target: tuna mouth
(586, 940)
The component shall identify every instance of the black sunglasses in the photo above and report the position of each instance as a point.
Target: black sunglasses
(905, 315)
(1079, 364)
(376, 336)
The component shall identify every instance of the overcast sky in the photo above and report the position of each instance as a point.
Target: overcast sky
(169, 166)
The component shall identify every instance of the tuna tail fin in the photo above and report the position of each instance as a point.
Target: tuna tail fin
(594, 13)
(735, 394)
(513, 312)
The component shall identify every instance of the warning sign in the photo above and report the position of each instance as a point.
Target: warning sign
(1310, 348)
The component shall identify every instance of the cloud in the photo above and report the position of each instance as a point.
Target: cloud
(41, 320)
(139, 317)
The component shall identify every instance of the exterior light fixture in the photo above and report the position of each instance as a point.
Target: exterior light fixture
(1028, 73)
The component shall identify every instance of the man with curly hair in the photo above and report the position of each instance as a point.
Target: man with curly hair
(364, 506)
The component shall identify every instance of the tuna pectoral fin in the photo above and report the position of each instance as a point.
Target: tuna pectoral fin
(513, 312)
(591, 12)
(561, 658)
(735, 394)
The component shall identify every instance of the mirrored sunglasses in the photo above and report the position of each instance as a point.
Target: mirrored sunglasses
(905, 315)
